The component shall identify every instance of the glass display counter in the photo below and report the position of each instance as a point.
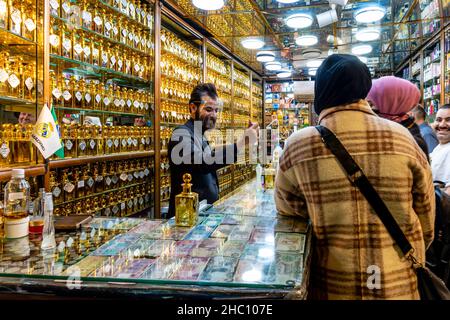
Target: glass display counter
(239, 248)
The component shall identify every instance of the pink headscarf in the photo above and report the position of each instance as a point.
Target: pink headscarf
(393, 97)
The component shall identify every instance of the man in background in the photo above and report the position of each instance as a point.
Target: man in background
(440, 157)
(426, 131)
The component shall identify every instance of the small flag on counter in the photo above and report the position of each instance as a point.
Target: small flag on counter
(45, 134)
(60, 152)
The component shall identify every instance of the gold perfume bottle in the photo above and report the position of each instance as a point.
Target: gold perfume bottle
(6, 144)
(99, 178)
(22, 146)
(78, 92)
(82, 140)
(69, 136)
(67, 42)
(15, 17)
(186, 205)
(91, 137)
(98, 19)
(68, 186)
(98, 135)
(89, 89)
(29, 82)
(88, 180)
(78, 47)
(65, 9)
(29, 21)
(55, 188)
(15, 79)
(98, 96)
(79, 182)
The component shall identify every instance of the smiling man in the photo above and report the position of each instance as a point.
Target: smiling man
(440, 157)
(189, 150)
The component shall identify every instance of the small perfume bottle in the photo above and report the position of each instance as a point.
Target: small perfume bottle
(186, 205)
(48, 235)
(55, 188)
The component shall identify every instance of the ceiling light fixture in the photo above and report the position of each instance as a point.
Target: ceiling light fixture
(362, 49)
(285, 73)
(306, 41)
(273, 66)
(370, 14)
(368, 34)
(312, 71)
(209, 4)
(265, 56)
(326, 18)
(314, 63)
(299, 21)
(252, 43)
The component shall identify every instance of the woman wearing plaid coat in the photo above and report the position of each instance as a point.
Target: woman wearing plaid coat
(354, 255)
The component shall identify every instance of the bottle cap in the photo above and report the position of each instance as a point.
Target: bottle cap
(18, 173)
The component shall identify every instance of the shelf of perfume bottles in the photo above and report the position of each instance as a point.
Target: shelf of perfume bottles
(222, 85)
(93, 179)
(96, 141)
(176, 91)
(96, 97)
(217, 65)
(67, 65)
(18, 85)
(173, 48)
(113, 203)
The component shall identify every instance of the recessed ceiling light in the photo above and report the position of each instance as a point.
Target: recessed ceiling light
(314, 63)
(363, 59)
(306, 41)
(310, 53)
(209, 4)
(362, 49)
(299, 21)
(265, 56)
(312, 71)
(368, 34)
(252, 43)
(369, 14)
(273, 66)
(285, 73)
(287, 1)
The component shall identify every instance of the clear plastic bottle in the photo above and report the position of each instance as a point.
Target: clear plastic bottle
(48, 235)
(17, 196)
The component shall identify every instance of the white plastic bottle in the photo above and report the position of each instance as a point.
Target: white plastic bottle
(16, 205)
(48, 235)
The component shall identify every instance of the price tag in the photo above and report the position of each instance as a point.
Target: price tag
(68, 187)
(78, 95)
(66, 7)
(87, 51)
(3, 75)
(82, 145)
(129, 103)
(116, 143)
(122, 102)
(130, 203)
(109, 143)
(137, 67)
(124, 143)
(105, 58)
(98, 98)
(130, 141)
(122, 206)
(90, 182)
(69, 145)
(98, 21)
(56, 192)
(136, 104)
(54, 40)
(87, 96)
(30, 25)
(81, 184)
(66, 95)
(54, 4)
(78, 48)
(29, 83)
(92, 143)
(108, 26)
(4, 150)
(113, 60)
(67, 44)
(16, 16)
(106, 101)
(13, 81)
(115, 31)
(117, 102)
(108, 180)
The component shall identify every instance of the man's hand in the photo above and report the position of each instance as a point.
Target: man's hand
(250, 135)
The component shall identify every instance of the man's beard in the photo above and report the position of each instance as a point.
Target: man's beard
(208, 123)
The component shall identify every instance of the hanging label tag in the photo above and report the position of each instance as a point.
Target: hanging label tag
(98, 98)
(106, 101)
(13, 81)
(87, 51)
(69, 145)
(115, 31)
(123, 177)
(92, 143)
(78, 95)
(69, 187)
(67, 95)
(56, 192)
(66, 7)
(108, 26)
(30, 25)
(54, 40)
(3, 75)
(78, 48)
(108, 180)
(16, 16)
(81, 184)
(90, 182)
(117, 102)
(109, 143)
(54, 4)
(116, 143)
(98, 21)
(113, 60)
(67, 44)
(136, 104)
(87, 96)
(82, 145)
(4, 151)
(29, 83)
(130, 141)
(56, 93)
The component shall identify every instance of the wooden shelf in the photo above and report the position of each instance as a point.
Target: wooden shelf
(30, 171)
(63, 163)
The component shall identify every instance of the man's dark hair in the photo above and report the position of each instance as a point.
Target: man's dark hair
(419, 111)
(203, 89)
(445, 106)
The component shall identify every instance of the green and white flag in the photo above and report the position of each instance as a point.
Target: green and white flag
(45, 134)
(60, 152)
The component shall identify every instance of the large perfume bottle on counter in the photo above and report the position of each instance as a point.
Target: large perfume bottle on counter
(186, 205)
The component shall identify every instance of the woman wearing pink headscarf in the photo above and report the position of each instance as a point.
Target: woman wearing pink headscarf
(392, 98)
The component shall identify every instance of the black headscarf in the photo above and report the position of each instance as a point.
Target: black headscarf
(341, 79)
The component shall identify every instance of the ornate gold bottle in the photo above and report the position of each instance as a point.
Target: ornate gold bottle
(186, 205)
(55, 188)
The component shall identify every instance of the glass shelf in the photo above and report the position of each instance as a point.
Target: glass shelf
(178, 79)
(100, 111)
(12, 101)
(10, 39)
(86, 69)
(93, 33)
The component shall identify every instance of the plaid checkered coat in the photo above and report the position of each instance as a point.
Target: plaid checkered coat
(352, 245)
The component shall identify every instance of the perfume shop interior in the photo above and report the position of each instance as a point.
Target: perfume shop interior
(109, 80)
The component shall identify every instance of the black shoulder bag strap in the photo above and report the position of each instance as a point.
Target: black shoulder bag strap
(357, 178)
(429, 285)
